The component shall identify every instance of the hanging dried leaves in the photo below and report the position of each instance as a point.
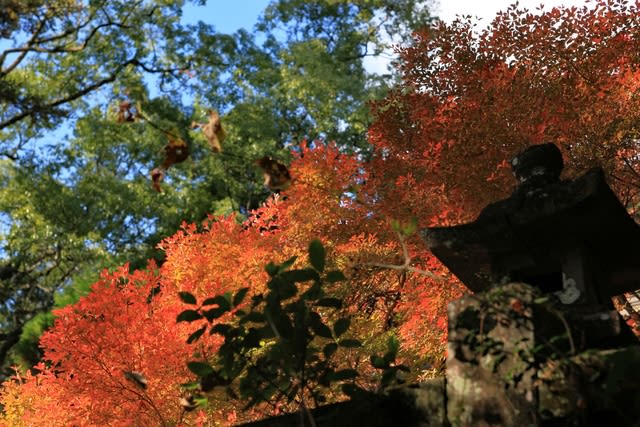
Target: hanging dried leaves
(126, 113)
(276, 175)
(176, 151)
(213, 131)
(157, 175)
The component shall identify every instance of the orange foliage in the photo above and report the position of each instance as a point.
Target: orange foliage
(127, 323)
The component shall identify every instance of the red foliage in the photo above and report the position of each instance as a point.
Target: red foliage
(469, 102)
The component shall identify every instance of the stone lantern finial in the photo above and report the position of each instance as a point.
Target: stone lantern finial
(537, 167)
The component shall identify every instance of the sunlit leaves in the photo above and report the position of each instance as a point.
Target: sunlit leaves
(293, 323)
(471, 99)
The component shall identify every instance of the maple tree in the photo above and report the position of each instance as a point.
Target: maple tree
(126, 325)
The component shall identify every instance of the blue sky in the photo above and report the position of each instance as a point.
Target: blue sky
(226, 16)
(229, 15)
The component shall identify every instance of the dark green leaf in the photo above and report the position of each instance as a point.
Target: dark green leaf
(317, 255)
(335, 276)
(344, 374)
(256, 300)
(187, 298)
(220, 328)
(214, 313)
(293, 391)
(287, 264)
(341, 326)
(196, 335)
(353, 391)
(208, 382)
(318, 327)
(379, 362)
(349, 343)
(266, 332)
(314, 292)
(239, 296)
(201, 369)
(254, 317)
(387, 377)
(393, 344)
(285, 290)
(252, 340)
(299, 276)
(389, 356)
(188, 316)
(284, 327)
(329, 349)
(271, 269)
(329, 302)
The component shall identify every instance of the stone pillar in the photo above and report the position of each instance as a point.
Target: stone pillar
(490, 339)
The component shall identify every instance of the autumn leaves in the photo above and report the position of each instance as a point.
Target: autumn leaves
(213, 131)
(276, 174)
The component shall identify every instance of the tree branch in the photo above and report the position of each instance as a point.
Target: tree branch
(35, 110)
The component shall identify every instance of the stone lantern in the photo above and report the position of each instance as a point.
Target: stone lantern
(573, 238)
(543, 265)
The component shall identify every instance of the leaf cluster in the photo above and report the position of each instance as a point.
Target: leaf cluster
(279, 346)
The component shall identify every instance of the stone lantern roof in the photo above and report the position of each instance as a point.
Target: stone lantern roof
(547, 230)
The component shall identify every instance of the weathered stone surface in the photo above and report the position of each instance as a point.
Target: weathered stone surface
(488, 382)
(592, 388)
(510, 362)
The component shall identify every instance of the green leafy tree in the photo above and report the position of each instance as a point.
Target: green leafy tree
(60, 58)
(74, 204)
